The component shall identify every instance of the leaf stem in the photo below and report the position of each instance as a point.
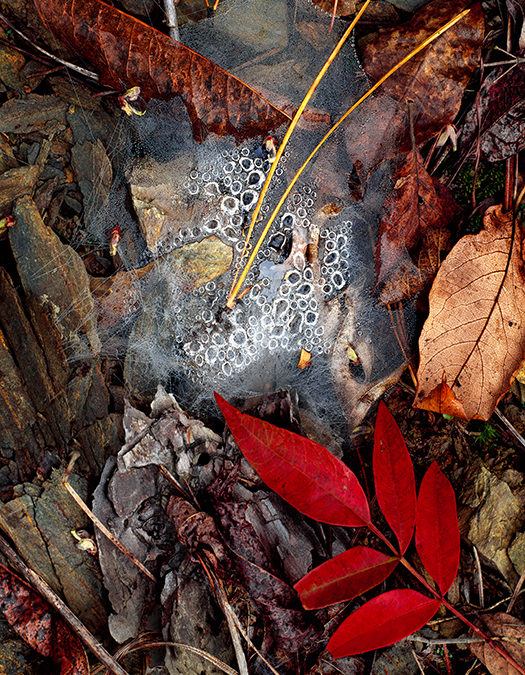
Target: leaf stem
(233, 294)
(445, 602)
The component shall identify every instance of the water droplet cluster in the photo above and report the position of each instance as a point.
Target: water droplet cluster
(282, 309)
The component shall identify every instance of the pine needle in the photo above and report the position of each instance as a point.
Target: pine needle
(425, 43)
(289, 131)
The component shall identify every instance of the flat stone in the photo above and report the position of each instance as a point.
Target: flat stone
(64, 287)
(94, 174)
(495, 515)
(39, 521)
(34, 113)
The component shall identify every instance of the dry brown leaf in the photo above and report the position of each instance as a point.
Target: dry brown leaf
(473, 341)
(417, 204)
(512, 631)
(435, 79)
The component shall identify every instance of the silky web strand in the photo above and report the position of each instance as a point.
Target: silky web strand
(231, 300)
(291, 128)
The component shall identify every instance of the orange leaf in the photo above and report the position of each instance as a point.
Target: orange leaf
(473, 341)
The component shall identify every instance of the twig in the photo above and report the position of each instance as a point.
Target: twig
(171, 19)
(231, 300)
(230, 615)
(228, 612)
(416, 659)
(510, 427)
(164, 643)
(481, 591)
(232, 626)
(71, 66)
(52, 598)
(516, 592)
(98, 523)
(444, 641)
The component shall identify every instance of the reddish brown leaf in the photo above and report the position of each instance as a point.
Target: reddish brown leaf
(382, 621)
(344, 577)
(417, 204)
(512, 630)
(436, 78)
(499, 121)
(127, 52)
(394, 477)
(33, 620)
(302, 472)
(437, 531)
(474, 338)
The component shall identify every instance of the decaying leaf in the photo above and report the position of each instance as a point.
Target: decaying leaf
(473, 341)
(500, 119)
(32, 619)
(418, 203)
(127, 52)
(435, 79)
(512, 630)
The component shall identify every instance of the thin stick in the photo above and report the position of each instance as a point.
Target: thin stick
(286, 138)
(171, 19)
(231, 300)
(416, 659)
(59, 605)
(227, 611)
(154, 644)
(516, 592)
(98, 523)
(510, 427)
(481, 591)
(71, 66)
(234, 631)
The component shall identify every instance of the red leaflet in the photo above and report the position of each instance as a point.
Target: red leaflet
(344, 577)
(394, 477)
(127, 53)
(302, 472)
(31, 617)
(437, 531)
(382, 621)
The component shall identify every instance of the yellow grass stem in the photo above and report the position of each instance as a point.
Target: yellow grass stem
(291, 129)
(231, 300)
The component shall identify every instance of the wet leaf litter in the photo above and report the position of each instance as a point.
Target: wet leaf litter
(155, 208)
